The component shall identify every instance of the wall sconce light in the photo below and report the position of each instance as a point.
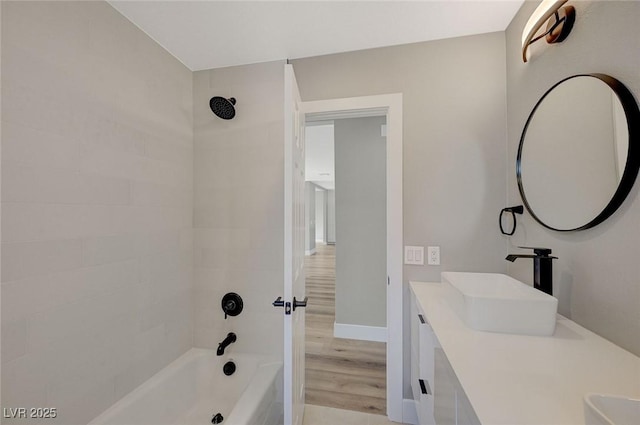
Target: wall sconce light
(559, 24)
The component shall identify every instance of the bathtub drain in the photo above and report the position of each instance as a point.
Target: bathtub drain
(217, 419)
(229, 368)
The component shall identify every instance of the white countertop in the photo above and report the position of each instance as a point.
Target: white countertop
(515, 379)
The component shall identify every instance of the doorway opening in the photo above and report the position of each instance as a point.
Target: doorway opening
(389, 107)
(345, 263)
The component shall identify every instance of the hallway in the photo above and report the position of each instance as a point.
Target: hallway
(341, 373)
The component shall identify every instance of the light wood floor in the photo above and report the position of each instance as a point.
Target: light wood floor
(341, 373)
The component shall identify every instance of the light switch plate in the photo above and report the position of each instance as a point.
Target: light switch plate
(414, 255)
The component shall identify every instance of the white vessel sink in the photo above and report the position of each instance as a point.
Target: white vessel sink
(499, 303)
(600, 409)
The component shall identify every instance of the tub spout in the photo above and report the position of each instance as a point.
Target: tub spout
(231, 338)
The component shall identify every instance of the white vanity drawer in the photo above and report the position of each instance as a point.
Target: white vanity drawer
(426, 344)
(415, 376)
(424, 401)
(422, 345)
(451, 405)
(414, 325)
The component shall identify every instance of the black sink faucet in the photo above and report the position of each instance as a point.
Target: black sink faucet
(542, 267)
(231, 338)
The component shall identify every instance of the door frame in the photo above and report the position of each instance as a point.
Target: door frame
(389, 105)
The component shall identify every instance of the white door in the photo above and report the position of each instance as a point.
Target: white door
(294, 228)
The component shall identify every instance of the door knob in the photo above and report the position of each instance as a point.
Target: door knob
(297, 303)
(279, 302)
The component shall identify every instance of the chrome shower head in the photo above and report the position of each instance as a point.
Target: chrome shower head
(223, 108)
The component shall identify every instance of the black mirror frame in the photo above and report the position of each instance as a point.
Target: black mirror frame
(632, 114)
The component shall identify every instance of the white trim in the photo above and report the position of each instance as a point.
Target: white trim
(409, 411)
(310, 251)
(321, 116)
(288, 245)
(361, 332)
(391, 104)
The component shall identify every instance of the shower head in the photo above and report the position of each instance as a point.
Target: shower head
(223, 108)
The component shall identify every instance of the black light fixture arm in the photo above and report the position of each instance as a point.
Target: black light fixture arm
(555, 25)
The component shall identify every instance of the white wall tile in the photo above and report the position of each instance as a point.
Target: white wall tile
(37, 294)
(160, 242)
(32, 222)
(104, 133)
(168, 150)
(14, 339)
(97, 215)
(20, 260)
(82, 318)
(27, 146)
(145, 193)
(23, 222)
(95, 396)
(238, 210)
(141, 370)
(48, 185)
(22, 382)
(53, 116)
(108, 249)
(125, 166)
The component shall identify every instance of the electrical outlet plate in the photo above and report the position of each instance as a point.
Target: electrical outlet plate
(433, 255)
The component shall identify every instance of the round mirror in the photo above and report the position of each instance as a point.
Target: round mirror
(579, 156)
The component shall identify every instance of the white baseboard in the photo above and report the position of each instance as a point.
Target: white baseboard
(409, 412)
(310, 252)
(365, 333)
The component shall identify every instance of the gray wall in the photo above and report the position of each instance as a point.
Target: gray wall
(597, 274)
(239, 212)
(97, 180)
(361, 221)
(309, 217)
(331, 216)
(454, 147)
(0, 188)
(321, 215)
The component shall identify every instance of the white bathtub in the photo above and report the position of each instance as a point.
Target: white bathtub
(193, 388)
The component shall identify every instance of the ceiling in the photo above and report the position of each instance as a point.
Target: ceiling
(214, 34)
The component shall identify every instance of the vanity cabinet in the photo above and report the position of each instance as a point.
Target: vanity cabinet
(437, 392)
(451, 405)
(478, 377)
(422, 364)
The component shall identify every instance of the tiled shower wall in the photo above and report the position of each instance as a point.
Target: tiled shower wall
(97, 195)
(238, 212)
